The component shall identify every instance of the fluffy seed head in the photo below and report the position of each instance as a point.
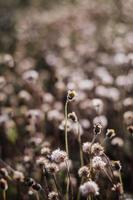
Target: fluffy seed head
(53, 196)
(98, 163)
(52, 168)
(117, 165)
(83, 171)
(86, 147)
(89, 187)
(97, 149)
(59, 156)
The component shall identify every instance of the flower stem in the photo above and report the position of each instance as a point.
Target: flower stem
(80, 146)
(4, 195)
(66, 135)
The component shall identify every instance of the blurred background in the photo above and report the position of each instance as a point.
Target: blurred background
(50, 46)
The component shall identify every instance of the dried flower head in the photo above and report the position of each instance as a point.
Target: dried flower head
(98, 163)
(69, 125)
(83, 171)
(118, 188)
(59, 156)
(36, 186)
(45, 151)
(117, 141)
(71, 95)
(29, 181)
(88, 188)
(3, 184)
(130, 129)
(97, 128)
(53, 196)
(128, 117)
(97, 149)
(72, 116)
(110, 133)
(18, 176)
(117, 165)
(86, 147)
(4, 172)
(52, 168)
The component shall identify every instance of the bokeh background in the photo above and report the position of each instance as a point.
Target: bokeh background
(50, 46)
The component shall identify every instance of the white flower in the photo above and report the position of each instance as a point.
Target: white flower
(59, 156)
(86, 147)
(98, 163)
(89, 187)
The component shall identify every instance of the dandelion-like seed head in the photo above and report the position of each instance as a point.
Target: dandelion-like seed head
(53, 196)
(86, 147)
(98, 163)
(83, 171)
(59, 156)
(88, 188)
(52, 168)
(97, 149)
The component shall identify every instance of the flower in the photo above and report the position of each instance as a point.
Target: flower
(98, 163)
(71, 95)
(3, 184)
(59, 156)
(97, 149)
(86, 147)
(52, 168)
(110, 133)
(83, 171)
(72, 116)
(53, 196)
(89, 187)
(97, 128)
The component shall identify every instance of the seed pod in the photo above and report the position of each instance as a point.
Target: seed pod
(71, 95)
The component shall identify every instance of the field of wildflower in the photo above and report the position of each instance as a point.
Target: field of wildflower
(66, 100)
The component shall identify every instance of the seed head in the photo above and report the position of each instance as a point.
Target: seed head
(89, 187)
(59, 156)
(130, 129)
(3, 184)
(29, 182)
(36, 186)
(86, 147)
(4, 172)
(52, 168)
(98, 163)
(71, 95)
(53, 196)
(18, 176)
(110, 133)
(97, 128)
(117, 165)
(83, 171)
(97, 149)
(73, 117)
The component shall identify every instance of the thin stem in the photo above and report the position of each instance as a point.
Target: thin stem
(37, 196)
(4, 195)
(57, 187)
(66, 135)
(80, 146)
(68, 181)
(121, 182)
